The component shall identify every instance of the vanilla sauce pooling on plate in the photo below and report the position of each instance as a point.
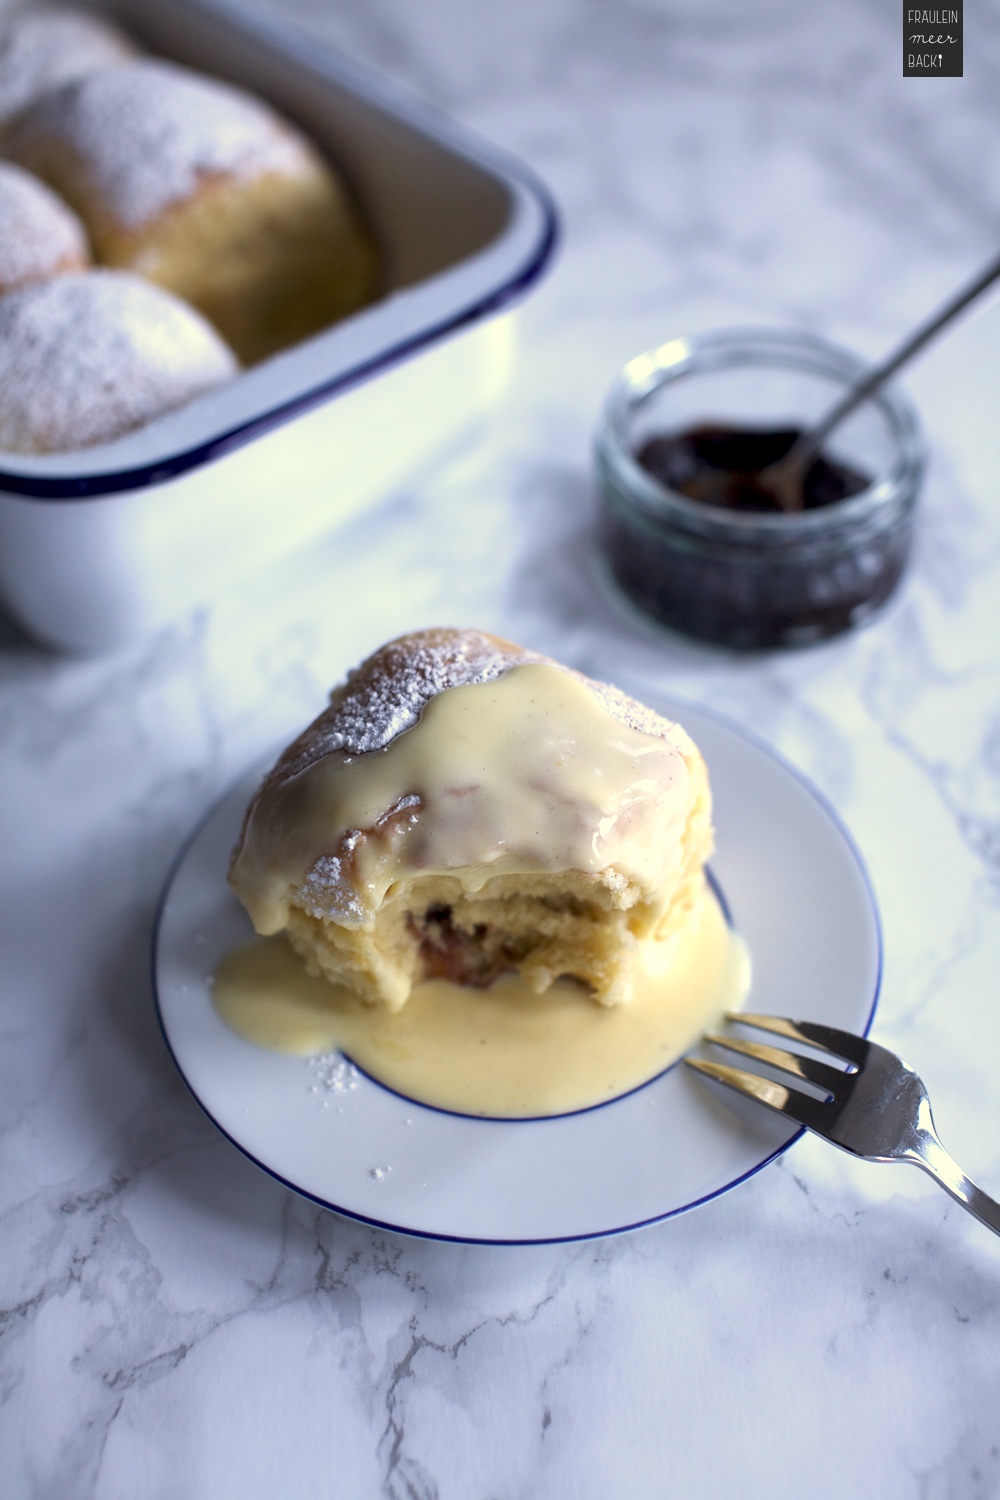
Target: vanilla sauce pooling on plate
(504, 1051)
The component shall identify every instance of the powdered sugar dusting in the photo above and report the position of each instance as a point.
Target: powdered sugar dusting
(386, 694)
(630, 711)
(144, 135)
(333, 1075)
(91, 355)
(41, 49)
(327, 891)
(40, 234)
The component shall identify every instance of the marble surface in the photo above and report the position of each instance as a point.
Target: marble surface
(176, 1326)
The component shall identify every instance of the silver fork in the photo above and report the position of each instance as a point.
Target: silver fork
(875, 1106)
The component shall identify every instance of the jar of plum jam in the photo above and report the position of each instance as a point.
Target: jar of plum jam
(737, 568)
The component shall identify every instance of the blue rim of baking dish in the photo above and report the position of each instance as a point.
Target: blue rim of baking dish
(507, 170)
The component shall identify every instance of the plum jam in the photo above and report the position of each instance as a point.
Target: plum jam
(743, 454)
(736, 568)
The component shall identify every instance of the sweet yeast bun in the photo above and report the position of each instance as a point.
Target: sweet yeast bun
(91, 355)
(465, 807)
(40, 235)
(43, 48)
(202, 188)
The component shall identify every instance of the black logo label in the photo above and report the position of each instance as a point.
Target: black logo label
(932, 41)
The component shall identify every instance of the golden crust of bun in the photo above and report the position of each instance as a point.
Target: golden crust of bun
(204, 189)
(545, 923)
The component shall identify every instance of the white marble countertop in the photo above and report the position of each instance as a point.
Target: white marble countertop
(177, 1326)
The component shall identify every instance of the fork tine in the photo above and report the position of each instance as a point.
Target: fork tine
(843, 1044)
(789, 1102)
(883, 1114)
(853, 1049)
(809, 1068)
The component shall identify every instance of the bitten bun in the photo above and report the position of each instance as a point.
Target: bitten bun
(203, 189)
(41, 49)
(89, 356)
(466, 807)
(40, 236)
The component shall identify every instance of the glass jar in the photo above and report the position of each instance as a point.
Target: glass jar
(751, 579)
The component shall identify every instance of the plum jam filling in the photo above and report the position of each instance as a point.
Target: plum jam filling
(474, 957)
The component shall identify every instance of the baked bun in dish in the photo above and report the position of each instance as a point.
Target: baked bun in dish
(42, 48)
(465, 807)
(202, 188)
(40, 236)
(88, 356)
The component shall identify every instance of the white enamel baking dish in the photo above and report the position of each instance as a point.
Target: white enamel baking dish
(101, 545)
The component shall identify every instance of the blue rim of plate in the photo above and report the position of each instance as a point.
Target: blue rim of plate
(741, 732)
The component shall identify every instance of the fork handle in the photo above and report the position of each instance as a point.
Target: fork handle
(934, 1159)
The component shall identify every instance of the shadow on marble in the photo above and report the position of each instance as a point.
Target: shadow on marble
(16, 642)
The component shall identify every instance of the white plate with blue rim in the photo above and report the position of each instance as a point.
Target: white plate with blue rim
(798, 893)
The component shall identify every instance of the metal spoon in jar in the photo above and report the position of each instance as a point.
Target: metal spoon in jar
(784, 479)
